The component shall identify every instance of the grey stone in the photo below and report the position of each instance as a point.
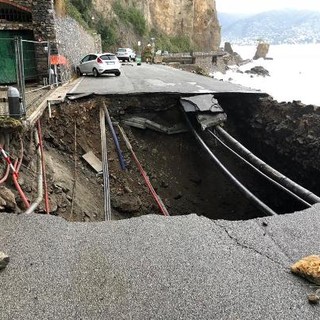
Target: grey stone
(7, 199)
(126, 203)
(4, 260)
(262, 51)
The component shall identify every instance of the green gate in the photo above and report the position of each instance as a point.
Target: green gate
(8, 56)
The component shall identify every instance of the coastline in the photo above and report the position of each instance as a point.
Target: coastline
(293, 72)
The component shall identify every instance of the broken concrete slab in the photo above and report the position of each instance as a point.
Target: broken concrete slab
(204, 102)
(211, 120)
(143, 123)
(93, 161)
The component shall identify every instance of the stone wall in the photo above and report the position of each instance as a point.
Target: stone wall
(42, 18)
(73, 41)
(23, 3)
(209, 61)
(66, 37)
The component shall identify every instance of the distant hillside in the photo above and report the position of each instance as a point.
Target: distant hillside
(275, 27)
(227, 19)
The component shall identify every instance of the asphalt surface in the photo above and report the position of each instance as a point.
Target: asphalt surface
(155, 79)
(154, 267)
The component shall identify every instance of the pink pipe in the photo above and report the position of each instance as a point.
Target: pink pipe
(16, 183)
(15, 176)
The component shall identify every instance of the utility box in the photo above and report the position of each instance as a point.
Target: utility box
(14, 101)
(138, 59)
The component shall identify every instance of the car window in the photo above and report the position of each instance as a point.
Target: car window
(86, 58)
(121, 50)
(108, 57)
(92, 57)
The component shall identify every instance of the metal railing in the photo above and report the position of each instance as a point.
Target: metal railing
(34, 68)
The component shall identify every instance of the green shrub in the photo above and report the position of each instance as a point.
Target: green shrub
(131, 16)
(172, 44)
(138, 21)
(85, 10)
(74, 13)
(108, 33)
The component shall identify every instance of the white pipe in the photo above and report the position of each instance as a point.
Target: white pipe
(36, 203)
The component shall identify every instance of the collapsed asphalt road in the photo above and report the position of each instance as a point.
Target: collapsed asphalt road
(156, 267)
(153, 267)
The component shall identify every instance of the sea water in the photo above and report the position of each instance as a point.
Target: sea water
(294, 72)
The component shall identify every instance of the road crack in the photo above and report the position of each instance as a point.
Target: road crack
(245, 246)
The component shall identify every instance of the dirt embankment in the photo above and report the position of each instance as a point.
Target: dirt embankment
(284, 135)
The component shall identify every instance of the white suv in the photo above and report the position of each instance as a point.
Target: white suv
(126, 54)
(99, 63)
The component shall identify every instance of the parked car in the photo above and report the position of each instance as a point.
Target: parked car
(126, 54)
(99, 63)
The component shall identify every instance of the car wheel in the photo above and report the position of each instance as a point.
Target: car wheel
(117, 74)
(79, 73)
(95, 72)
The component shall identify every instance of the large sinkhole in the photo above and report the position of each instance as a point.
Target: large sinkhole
(179, 169)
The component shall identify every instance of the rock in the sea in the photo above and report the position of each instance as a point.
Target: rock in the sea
(228, 48)
(258, 70)
(4, 260)
(309, 268)
(262, 51)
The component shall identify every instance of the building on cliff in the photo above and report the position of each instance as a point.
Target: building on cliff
(36, 22)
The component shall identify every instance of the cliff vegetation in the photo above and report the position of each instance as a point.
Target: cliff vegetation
(177, 26)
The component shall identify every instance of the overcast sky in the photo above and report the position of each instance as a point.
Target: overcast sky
(253, 6)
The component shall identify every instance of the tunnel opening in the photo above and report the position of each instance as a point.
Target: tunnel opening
(180, 171)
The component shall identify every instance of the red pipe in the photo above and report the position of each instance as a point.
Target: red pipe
(149, 185)
(15, 176)
(16, 183)
(45, 185)
(159, 202)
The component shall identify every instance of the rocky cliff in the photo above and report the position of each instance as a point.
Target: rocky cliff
(196, 19)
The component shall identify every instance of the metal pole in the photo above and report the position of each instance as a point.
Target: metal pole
(23, 80)
(49, 63)
(106, 180)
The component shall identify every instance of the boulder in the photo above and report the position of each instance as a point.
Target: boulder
(228, 48)
(4, 260)
(262, 51)
(7, 200)
(126, 203)
(258, 70)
